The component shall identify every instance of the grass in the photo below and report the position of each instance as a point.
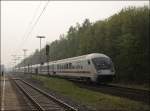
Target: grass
(92, 99)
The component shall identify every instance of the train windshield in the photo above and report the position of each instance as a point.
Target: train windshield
(102, 63)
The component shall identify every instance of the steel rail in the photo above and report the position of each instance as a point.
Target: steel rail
(128, 88)
(39, 107)
(58, 101)
(133, 94)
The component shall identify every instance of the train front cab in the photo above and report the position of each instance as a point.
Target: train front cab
(105, 71)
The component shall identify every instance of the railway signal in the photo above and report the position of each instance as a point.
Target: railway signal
(47, 50)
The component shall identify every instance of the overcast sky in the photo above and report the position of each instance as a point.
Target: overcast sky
(17, 18)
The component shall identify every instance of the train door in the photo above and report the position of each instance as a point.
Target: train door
(53, 69)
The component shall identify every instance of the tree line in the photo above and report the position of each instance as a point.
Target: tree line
(124, 37)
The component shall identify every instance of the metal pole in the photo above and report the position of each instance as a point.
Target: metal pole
(40, 37)
(40, 50)
(48, 65)
(24, 50)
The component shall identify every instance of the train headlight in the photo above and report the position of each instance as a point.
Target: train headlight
(99, 71)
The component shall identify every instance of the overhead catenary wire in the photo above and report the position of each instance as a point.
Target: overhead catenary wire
(27, 29)
(28, 33)
(37, 20)
(30, 23)
(34, 24)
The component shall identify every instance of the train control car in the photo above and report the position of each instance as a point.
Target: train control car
(94, 67)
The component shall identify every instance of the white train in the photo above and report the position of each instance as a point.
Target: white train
(94, 67)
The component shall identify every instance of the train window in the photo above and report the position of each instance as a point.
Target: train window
(67, 66)
(76, 67)
(64, 66)
(72, 67)
(70, 64)
(102, 63)
(89, 62)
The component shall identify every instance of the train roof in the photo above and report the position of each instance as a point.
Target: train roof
(83, 57)
(95, 55)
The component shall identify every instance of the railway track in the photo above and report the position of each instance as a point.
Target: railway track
(42, 100)
(133, 94)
